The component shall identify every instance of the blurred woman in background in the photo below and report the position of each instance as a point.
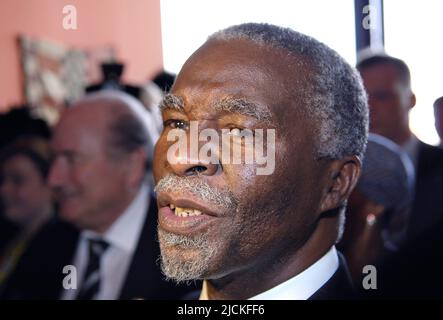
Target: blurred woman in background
(26, 198)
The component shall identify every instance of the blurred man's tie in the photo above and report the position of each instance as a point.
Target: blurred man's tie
(91, 279)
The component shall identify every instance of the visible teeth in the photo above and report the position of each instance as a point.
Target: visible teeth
(172, 206)
(186, 212)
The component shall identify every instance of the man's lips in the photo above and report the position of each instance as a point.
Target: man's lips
(186, 201)
(173, 217)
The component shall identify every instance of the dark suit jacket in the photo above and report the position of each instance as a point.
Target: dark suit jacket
(427, 208)
(39, 273)
(415, 272)
(8, 231)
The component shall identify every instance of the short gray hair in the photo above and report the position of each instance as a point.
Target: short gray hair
(334, 96)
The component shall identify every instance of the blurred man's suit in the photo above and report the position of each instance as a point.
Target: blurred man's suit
(427, 209)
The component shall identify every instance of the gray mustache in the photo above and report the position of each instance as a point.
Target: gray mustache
(198, 188)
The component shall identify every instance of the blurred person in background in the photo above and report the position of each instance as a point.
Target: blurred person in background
(378, 208)
(18, 122)
(21, 121)
(387, 81)
(27, 199)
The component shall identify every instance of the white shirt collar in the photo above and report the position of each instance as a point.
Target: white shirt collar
(306, 283)
(125, 231)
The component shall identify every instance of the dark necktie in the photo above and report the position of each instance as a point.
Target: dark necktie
(91, 279)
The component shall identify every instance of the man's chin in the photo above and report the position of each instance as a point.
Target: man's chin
(67, 214)
(185, 258)
(71, 214)
(182, 267)
(179, 254)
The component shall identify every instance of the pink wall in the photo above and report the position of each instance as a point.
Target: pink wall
(131, 26)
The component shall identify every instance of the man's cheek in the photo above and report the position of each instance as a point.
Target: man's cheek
(242, 175)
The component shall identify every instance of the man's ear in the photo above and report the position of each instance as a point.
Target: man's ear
(413, 100)
(342, 177)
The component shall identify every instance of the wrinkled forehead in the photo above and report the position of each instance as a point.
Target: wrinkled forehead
(266, 76)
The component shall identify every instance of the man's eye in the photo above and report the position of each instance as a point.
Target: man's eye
(237, 132)
(176, 124)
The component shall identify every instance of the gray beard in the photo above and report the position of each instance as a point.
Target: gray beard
(180, 268)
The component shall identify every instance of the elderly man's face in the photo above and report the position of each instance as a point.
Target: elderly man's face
(88, 183)
(247, 220)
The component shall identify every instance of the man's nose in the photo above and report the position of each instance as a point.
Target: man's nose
(189, 165)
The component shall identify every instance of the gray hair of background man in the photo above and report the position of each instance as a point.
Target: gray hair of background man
(129, 130)
(332, 93)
